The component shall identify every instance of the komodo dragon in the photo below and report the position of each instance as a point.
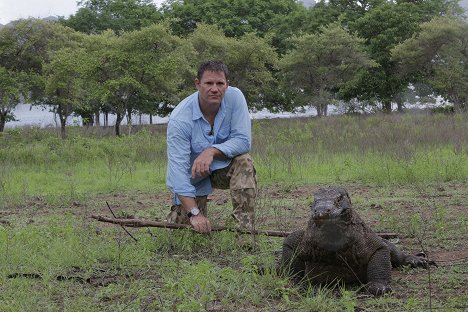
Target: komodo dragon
(338, 246)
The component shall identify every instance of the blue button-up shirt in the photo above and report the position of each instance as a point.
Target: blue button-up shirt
(189, 134)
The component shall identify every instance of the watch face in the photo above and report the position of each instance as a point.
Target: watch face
(195, 211)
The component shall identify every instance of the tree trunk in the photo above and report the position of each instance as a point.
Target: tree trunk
(129, 121)
(319, 110)
(2, 121)
(117, 123)
(399, 102)
(97, 122)
(151, 119)
(63, 122)
(106, 119)
(460, 107)
(387, 106)
(87, 119)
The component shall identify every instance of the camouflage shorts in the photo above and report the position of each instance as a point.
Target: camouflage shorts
(240, 178)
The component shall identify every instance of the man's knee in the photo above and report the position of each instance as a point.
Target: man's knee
(242, 173)
(243, 202)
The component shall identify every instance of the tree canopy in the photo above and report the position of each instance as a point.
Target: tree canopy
(437, 55)
(96, 16)
(128, 56)
(323, 63)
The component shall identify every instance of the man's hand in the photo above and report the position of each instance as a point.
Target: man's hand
(201, 165)
(200, 224)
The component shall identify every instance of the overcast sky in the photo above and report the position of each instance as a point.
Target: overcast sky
(11, 10)
(14, 9)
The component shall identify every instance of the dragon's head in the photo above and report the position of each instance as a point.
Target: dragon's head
(332, 203)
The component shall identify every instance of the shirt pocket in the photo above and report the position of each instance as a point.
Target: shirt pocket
(223, 134)
(199, 147)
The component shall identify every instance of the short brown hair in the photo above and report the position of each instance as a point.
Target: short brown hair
(214, 66)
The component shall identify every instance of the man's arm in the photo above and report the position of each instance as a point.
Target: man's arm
(201, 165)
(240, 139)
(178, 156)
(178, 176)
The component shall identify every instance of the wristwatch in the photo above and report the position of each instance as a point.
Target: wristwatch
(193, 212)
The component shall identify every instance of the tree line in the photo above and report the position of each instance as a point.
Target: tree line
(128, 56)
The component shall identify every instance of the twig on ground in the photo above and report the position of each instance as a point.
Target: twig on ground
(115, 217)
(150, 223)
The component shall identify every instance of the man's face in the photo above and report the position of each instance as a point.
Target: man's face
(211, 88)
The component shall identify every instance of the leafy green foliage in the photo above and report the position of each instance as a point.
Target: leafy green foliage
(383, 27)
(235, 18)
(25, 47)
(323, 63)
(138, 71)
(96, 16)
(437, 56)
(127, 64)
(64, 85)
(10, 94)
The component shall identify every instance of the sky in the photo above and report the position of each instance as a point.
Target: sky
(11, 10)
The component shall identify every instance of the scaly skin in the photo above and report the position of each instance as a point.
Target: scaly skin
(338, 246)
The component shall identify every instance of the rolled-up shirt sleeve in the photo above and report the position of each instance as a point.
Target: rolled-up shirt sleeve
(240, 138)
(178, 154)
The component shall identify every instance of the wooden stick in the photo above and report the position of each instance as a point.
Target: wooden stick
(150, 223)
(115, 217)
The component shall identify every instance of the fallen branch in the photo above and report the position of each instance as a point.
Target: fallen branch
(150, 223)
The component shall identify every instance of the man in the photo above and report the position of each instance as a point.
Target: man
(208, 140)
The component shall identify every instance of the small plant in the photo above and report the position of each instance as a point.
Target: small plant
(54, 257)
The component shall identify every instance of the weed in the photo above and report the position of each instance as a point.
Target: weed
(409, 173)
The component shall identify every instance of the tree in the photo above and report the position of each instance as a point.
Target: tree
(63, 77)
(10, 94)
(100, 49)
(96, 16)
(438, 55)
(235, 18)
(251, 62)
(142, 70)
(323, 63)
(158, 62)
(25, 46)
(383, 27)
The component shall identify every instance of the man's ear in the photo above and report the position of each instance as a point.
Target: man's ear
(197, 83)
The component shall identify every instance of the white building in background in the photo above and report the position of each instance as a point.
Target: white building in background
(308, 3)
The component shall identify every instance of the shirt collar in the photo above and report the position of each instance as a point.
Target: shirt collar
(196, 112)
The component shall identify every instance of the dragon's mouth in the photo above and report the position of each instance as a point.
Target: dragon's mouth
(320, 219)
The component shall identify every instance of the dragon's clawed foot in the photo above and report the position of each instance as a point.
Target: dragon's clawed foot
(378, 288)
(419, 260)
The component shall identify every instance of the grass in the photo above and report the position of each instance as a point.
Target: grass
(405, 173)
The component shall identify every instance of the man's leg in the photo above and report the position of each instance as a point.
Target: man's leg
(240, 178)
(177, 216)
